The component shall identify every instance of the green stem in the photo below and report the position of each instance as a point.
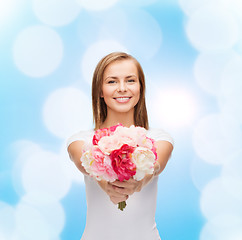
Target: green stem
(122, 205)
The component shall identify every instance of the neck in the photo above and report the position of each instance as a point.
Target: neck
(126, 119)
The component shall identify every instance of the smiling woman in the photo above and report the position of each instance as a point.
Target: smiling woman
(118, 95)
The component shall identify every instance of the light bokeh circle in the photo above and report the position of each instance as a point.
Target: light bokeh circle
(209, 68)
(23, 149)
(222, 227)
(216, 200)
(53, 213)
(37, 51)
(212, 29)
(191, 6)
(67, 111)
(56, 12)
(139, 3)
(231, 77)
(7, 220)
(231, 175)
(7, 10)
(42, 172)
(31, 223)
(202, 173)
(176, 108)
(235, 6)
(231, 87)
(97, 5)
(96, 52)
(102, 26)
(143, 35)
(216, 137)
(39, 221)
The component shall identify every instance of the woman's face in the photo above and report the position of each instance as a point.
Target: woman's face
(121, 86)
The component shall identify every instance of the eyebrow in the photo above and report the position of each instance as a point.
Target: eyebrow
(113, 77)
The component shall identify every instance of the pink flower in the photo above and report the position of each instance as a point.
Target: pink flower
(98, 164)
(102, 167)
(109, 143)
(153, 148)
(104, 132)
(99, 134)
(122, 163)
(131, 136)
(113, 128)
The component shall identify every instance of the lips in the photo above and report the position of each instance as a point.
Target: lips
(122, 99)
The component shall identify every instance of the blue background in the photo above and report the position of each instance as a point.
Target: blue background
(183, 97)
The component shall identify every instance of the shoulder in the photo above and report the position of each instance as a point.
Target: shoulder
(80, 136)
(159, 135)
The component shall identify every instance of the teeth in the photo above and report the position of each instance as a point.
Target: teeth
(122, 99)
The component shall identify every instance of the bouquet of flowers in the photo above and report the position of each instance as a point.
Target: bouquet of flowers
(119, 153)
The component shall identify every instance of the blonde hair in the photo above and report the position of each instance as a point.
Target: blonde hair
(99, 106)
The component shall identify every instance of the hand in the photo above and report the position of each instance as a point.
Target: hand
(114, 195)
(131, 186)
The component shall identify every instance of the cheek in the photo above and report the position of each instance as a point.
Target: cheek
(136, 91)
(106, 92)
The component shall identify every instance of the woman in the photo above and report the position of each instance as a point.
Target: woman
(118, 96)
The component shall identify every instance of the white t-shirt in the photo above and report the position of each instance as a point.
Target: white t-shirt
(104, 221)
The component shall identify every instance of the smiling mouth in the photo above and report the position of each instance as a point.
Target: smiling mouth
(122, 99)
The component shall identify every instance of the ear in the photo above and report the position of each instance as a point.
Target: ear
(101, 95)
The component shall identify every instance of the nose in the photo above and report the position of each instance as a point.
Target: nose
(122, 87)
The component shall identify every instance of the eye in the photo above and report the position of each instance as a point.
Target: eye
(131, 80)
(111, 82)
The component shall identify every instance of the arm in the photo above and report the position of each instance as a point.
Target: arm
(164, 150)
(75, 153)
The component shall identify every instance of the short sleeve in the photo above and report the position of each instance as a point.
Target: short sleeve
(159, 134)
(80, 136)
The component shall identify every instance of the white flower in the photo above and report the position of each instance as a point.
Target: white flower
(144, 159)
(87, 160)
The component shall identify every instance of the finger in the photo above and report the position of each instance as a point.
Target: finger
(125, 191)
(116, 192)
(114, 188)
(124, 185)
(119, 183)
(118, 195)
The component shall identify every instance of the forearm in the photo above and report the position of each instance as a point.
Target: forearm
(79, 166)
(75, 153)
(164, 150)
(159, 167)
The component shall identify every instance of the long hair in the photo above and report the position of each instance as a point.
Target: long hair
(99, 106)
